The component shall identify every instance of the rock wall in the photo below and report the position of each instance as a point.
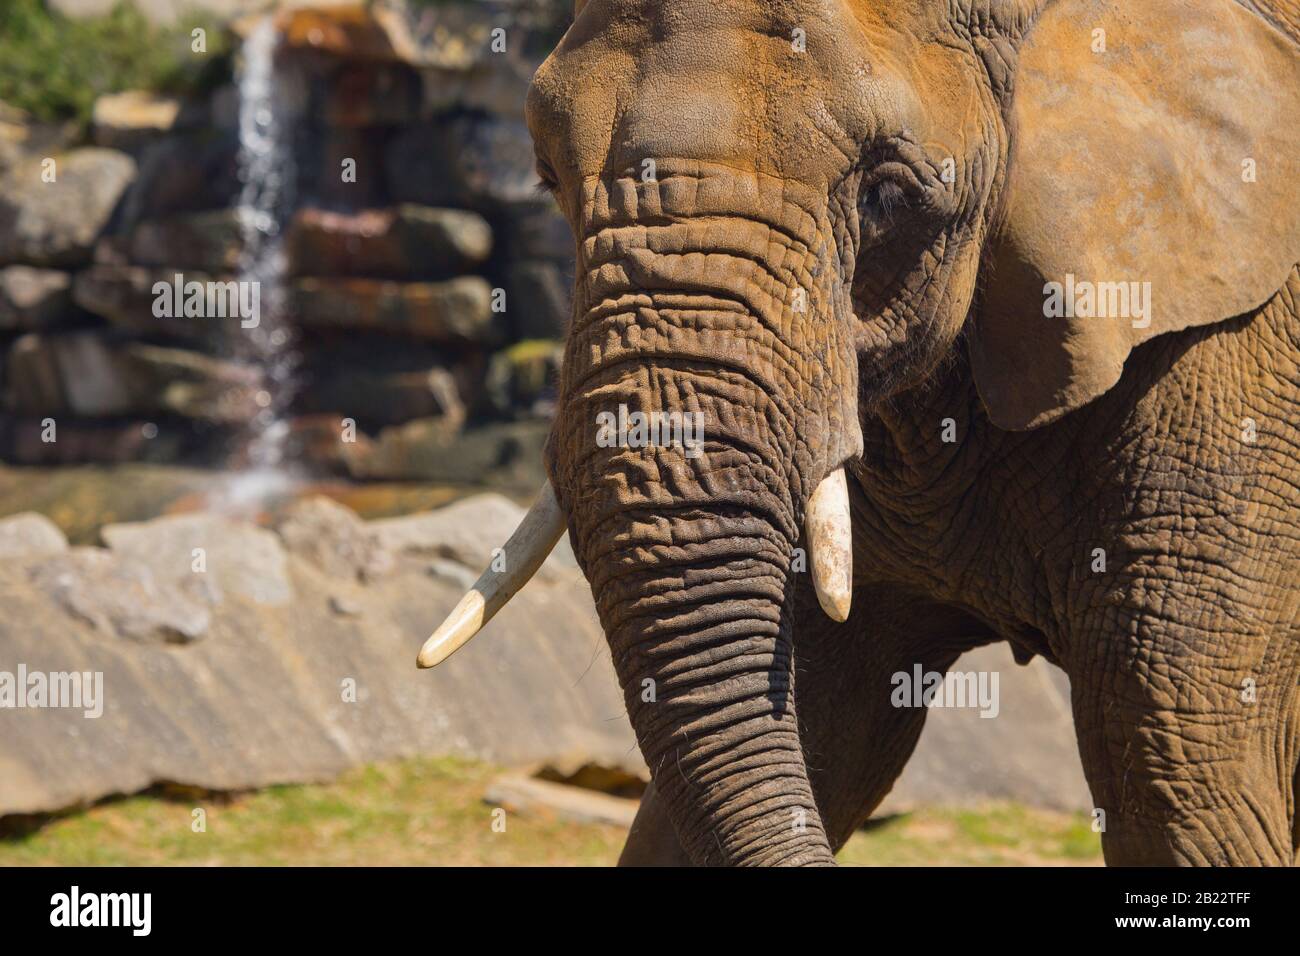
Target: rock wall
(236, 657)
(427, 281)
(288, 655)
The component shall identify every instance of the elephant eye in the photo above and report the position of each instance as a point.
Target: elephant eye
(546, 180)
(883, 200)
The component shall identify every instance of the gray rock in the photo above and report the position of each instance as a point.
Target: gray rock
(480, 160)
(333, 538)
(507, 455)
(22, 137)
(33, 298)
(57, 223)
(466, 531)
(89, 374)
(372, 95)
(207, 554)
(405, 242)
(534, 228)
(30, 535)
(120, 598)
(453, 572)
(345, 605)
(183, 173)
(1026, 753)
(134, 118)
(209, 242)
(456, 311)
(538, 299)
(124, 296)
(259, 701)
(380, 397)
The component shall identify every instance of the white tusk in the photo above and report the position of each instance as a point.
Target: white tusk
(830, 544)
(523, 554)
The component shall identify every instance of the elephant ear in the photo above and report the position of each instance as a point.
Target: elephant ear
(1171, 158)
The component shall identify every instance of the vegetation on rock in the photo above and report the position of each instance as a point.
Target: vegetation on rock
(54, 66)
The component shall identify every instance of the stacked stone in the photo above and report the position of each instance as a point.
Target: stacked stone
(427, 280)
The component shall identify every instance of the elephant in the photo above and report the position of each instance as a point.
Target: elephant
(986, 312)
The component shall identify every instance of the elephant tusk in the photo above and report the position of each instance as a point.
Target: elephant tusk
(830, 545)
(522, 555)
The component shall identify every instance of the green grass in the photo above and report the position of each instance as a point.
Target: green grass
(431, 811)
(55, 67)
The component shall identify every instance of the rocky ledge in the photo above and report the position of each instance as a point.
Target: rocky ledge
(235, 656)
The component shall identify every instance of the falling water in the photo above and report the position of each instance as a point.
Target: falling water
(266, 175)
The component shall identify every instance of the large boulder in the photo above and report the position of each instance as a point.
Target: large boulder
(22, 137)
(88, 374)
(368, 96)
(296, 691)
(1026, 753)
(32, 298)
(334, 538)
(124, 295)
(405, 242)
(30, 535)
(132, 119)
(466, 531)
(209, 241)
(56, 223)
(505, 455)
(483, 160)
(185, 172)
(458, 311)
(208, 683)
(207, 554)
(376, 396)
(120, 599)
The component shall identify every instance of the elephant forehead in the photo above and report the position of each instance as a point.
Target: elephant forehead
(785, 88)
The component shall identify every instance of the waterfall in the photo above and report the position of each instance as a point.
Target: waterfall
(266, 176)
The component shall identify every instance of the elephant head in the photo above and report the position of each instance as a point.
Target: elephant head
(783, 211)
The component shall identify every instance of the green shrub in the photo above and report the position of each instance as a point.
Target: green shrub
(54, 67)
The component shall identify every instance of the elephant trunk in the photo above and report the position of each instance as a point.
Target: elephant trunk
(697, 416)
(694, 601)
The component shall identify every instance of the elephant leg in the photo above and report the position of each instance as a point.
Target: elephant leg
(1189, 743)
(855, 742)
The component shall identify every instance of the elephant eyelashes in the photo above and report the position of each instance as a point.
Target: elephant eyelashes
(546, 181)
(882, 200)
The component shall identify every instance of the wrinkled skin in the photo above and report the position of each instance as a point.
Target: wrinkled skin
(797, 269)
